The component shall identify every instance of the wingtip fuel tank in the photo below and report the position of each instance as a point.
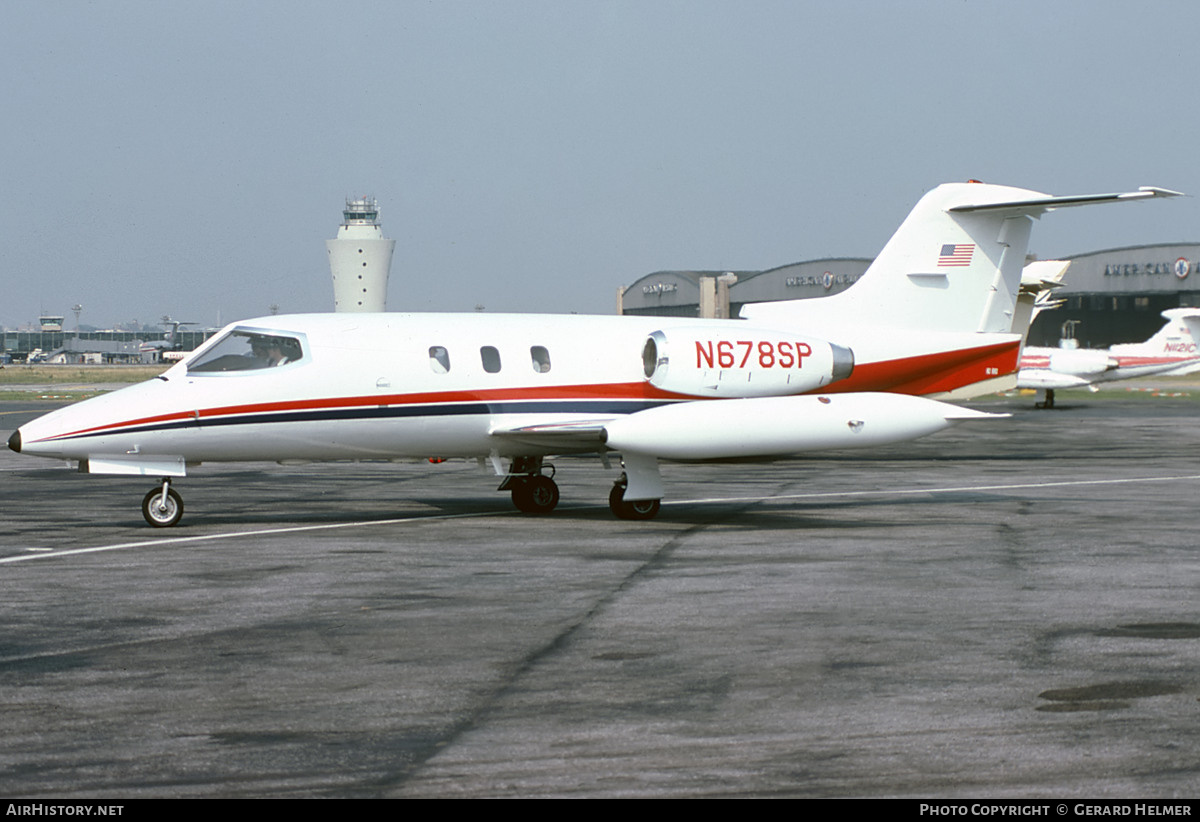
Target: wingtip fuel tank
(765, 426)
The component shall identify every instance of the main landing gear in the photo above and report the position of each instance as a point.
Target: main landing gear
(634, 509)
(536, 493)
(163, 506)
(532, 491)
(1049, 401)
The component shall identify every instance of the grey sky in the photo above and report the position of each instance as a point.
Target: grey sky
(191, 158)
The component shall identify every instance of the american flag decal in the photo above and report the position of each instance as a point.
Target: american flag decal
(956, 254)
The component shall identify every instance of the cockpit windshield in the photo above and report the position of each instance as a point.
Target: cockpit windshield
(246, 350)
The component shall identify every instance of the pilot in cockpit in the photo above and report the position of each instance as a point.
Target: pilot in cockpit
(271, 351)
(265, 351)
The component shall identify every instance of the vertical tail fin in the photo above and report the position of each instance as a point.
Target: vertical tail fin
(954, 264)
(1180, 337)
(1190, 317)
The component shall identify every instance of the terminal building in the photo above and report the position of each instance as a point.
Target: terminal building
(98, 346)
(1115, 296)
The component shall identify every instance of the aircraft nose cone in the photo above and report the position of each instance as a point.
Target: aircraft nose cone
(14, 442)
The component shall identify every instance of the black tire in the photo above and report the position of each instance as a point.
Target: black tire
(640, 509)
(162, 517)
(536, 495)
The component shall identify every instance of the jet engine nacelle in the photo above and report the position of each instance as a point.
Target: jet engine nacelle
(723, 361)
(1081, 361)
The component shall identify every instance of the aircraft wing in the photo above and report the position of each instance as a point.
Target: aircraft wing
(1187, 367)
(585, 435)
(1042, 378)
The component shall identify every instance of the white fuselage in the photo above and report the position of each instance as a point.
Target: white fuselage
(442, 385)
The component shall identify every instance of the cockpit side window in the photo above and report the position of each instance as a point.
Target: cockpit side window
(246, 350)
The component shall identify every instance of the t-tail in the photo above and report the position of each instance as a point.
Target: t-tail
(1179, 337)
(947, 281)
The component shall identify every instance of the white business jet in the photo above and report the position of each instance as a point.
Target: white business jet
(1171, 351)
(931, 319)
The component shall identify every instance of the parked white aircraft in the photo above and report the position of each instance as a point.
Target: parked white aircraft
(932, 316)
(1170, 351)
(168, 346)
(1178, 339)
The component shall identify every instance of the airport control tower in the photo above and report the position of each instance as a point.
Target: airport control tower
(360, 259)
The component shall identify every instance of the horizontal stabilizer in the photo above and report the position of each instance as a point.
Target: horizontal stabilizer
(1043, 275)
(1035, 206)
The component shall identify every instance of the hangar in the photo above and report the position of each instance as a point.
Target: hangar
(1118, 295)
(679, 293)
(1113, 296)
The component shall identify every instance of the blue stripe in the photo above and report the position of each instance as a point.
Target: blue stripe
(396, 412)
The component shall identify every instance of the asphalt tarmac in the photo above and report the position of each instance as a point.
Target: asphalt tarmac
(1000, 610)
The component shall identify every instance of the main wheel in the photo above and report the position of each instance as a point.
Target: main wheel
(637, 509)
(159, 515)
(535, 495)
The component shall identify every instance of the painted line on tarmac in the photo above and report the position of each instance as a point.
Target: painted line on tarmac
(149, 543)
(295, 529)
(909, 491)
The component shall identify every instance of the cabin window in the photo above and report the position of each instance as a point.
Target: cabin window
(491, 359)
(541, 359)
(439, 359)
(246, 350)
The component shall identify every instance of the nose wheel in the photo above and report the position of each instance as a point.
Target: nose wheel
(162, 507)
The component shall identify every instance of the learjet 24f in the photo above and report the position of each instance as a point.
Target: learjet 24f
(931, 319)
(1170, 352)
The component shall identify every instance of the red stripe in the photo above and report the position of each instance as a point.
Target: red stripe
(933, 373)
(1126, 362)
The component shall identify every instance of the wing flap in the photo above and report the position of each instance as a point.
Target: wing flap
(581, 435)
